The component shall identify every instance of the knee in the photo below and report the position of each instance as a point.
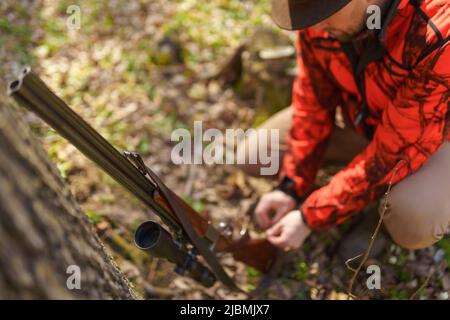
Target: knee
(412, 228)
(413, 239)
(244, 151)
(250, 160)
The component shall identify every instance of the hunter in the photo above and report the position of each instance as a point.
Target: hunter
(392, 85)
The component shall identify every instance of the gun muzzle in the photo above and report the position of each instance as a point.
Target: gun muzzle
(157, 241)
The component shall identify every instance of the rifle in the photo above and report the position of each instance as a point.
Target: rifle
(193, 235)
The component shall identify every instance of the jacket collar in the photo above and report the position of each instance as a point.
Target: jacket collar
(391, 10)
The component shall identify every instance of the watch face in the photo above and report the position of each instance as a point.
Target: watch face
(287, 185)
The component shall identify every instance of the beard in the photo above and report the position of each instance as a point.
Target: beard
(347, 33)
(341, 35)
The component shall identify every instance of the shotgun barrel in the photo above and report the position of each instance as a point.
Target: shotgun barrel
(153, 238)
(32, 93)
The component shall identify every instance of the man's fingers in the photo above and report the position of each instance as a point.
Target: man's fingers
(276, 236)
(278, 240)
(275, 230)
(263, 211)
(280, 213)
(262, 214)
(289, 233)
(276, 201)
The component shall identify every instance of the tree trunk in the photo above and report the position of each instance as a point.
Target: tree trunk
(45, 238)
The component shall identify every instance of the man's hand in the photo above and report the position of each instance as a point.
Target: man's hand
(276, 202)
(290, 232)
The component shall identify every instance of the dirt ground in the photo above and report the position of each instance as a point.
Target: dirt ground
(134, 71)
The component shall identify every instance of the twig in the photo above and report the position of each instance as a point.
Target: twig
(350, 260)
(424, 284)
(374, 235)
(153, 292)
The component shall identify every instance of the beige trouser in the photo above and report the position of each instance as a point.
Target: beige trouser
(419, 205)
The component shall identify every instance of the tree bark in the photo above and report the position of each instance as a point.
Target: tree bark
(42, 229)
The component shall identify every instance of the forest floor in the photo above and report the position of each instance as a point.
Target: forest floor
(133, 72)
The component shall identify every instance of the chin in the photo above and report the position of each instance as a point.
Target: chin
(344, 34)
(344, 39)
(341, 37)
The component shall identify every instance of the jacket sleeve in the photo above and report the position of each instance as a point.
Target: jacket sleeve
(413, 126)
(314, 102)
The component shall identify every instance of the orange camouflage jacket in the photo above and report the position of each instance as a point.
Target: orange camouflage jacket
(395, 89)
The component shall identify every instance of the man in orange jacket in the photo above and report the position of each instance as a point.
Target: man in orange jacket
(392, 83)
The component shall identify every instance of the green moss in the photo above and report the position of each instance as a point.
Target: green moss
(253, 278)
(143, 147)
(125, 248)
(301, 295)
(63, 168)
(106, 198)
(445, 244)
(398, 294)
(301, 271)
(403, 275)
(421, 293)
(197, 205)
(94, 216)
(253, 275)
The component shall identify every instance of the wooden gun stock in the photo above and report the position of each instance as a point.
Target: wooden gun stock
(257, 253)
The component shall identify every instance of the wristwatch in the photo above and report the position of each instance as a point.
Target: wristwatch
(287, 185)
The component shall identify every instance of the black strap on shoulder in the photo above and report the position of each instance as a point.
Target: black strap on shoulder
(372, 51)
(359, 64)
(441, 40)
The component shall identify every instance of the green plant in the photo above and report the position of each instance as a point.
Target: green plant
(301, 271)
